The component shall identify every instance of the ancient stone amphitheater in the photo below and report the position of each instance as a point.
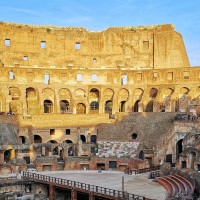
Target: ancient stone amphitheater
(123, 99)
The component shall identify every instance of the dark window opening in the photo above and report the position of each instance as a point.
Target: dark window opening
(169, 158)
(112, 165)
(179, 148)
(184, 164)
(122, 106)
(83, 138)
(67, 132)
(48, 106)
(37, 139)
(93, 139)
(141, 155)
(136, 106)
(134, 136)
(68, 141)
(100, 166)
(52, 131)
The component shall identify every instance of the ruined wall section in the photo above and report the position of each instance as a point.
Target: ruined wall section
(156, 46)
(169, 50)
(153, 127)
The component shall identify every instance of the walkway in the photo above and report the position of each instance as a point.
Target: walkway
(134, 184)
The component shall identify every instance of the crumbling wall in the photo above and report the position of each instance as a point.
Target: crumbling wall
(157, 46)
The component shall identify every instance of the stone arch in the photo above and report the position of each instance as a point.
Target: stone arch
(68, 141)
(94, 95)
(23, 140)
(108, 106)
(80, 93)
(108, 99)
(167, 105)
(138, 93)
(52, 142)
(108, 94)
(71, 151)
(183, 99)
(7, 155)
(64, 106)
(141, 155)
(123, 96)
(37, 139)
(32, 101)
(65, 97)
(15, 93)
(195, 101)
(15, 107)
(48, 93)
(179, 148)
(48, 106)
(80, 108)
(152, 96)
(94, 100)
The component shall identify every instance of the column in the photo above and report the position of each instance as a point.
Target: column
(91, 196)
(1, 157)
(73, 194)
(51, 192)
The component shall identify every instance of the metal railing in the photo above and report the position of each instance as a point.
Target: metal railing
(97, 190)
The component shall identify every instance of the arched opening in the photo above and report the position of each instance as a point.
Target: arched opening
(108, 106)
(136, 106)
(153, 93)
(94, 93)
(80, 108)
(149, 107)
(37, 139)
(152, 96)
(184, 164)
(64, 106)
(70, 151)
(93, 139)
(179, 148)
(32, 101)
(52, 141)
(27, 159)
(7, 155)
(68, 141)
(94, 105)
(83, 138)
(23, 140)
(122, 106)
(134, 136)
(48, 106)
(141, 155)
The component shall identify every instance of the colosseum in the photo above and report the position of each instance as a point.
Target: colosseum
(123, 99)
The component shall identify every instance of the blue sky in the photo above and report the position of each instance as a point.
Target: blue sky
(97, 15)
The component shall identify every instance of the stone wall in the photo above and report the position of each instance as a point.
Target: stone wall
(117, 149)
(157, 46)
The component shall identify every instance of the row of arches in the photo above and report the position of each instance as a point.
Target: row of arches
(38, 139)
(108, 101)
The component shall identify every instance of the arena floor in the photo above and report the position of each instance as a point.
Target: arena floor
(134, 184)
